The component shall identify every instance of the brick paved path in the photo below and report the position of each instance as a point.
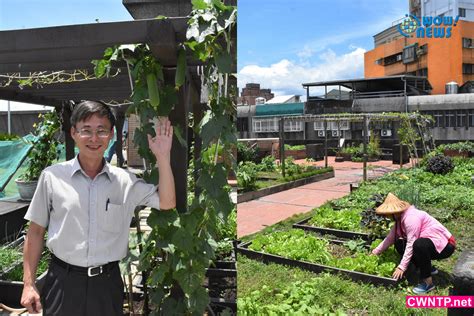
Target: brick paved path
(255, 215)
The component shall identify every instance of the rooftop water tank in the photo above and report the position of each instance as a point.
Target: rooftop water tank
(452, 87)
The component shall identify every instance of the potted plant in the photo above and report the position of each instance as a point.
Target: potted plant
(44, 151)
(459, 149)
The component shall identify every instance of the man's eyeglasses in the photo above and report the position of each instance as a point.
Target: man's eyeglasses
(86, 133)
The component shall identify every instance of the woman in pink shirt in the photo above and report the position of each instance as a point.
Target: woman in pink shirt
(417, 236)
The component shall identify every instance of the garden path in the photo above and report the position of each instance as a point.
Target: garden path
(255, 215)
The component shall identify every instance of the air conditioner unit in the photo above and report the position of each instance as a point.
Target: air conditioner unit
(336, 133)
(321, 133)
(386, 132)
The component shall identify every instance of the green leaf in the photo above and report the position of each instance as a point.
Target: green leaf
(161, 219)
(199, 4)
(108, 52)
(183, 240)
(224, 62)
(188, 279)
(199, 299)
(177, 130)
(100, 68)
(158, 274)
(180, 69)
(169, 99)
(152, 177)
(213, 128)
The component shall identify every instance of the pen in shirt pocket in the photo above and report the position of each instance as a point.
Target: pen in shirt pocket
(107, 204)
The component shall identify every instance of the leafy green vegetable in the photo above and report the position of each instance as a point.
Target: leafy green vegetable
(345, 219)
(298, 245)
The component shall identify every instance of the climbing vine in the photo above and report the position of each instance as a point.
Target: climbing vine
(182, 245)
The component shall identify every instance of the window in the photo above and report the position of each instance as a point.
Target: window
(379, 61)
(462, 13)
(293, 126)
(438, 119)
(450, 118)
(471, 118)
(461, 119)
(319, 126)
(242, 124)
(467, 42)
(342, 126)
(392, 59)
(265, 125)
(423, 72)
(409, 54)
(467, 69)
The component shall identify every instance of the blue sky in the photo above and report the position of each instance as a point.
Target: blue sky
(22, 14)
(283, 43)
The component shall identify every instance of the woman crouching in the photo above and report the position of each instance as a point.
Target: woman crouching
(418, 237)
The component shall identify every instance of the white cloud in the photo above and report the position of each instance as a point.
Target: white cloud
(287, 77)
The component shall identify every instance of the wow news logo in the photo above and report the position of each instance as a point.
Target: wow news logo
(428, 26)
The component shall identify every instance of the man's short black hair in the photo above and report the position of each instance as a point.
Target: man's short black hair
(86, 109)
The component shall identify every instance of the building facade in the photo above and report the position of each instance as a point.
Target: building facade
(253, 91)
(463, 8)
(441, 60)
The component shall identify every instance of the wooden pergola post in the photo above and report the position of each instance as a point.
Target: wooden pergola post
(365, 141)
(68, 141)
(325, 144)
(281, 129)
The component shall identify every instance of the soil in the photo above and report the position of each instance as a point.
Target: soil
(339, 251)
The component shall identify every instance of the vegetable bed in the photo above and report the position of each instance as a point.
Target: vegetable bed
(302, 249)
(11, 276)
(344, 234)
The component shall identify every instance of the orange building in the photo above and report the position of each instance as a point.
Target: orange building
(442, 60)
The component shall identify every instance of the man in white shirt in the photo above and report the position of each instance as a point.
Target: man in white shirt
(87, 205)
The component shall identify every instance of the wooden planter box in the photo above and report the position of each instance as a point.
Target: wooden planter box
(313, 267)
(296, 154)
(10, 291)
(11, 219)
(222, 284)
(346, 156)
(343, 234)
(455, 153)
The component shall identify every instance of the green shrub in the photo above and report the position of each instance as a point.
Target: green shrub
(291, 168)
(267, 164)
(459, 146)
(246, 153)
(295, 147)
(7, 137)
(247, 176)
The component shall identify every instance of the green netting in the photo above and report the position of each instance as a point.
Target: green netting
(14, 160)
(12, 155)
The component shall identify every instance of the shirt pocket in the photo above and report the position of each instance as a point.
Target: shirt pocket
(112, 218)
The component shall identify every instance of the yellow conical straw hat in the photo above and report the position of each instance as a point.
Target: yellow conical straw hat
(392, 205)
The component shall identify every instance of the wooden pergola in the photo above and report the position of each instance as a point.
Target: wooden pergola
(364, 118)
(67, 51)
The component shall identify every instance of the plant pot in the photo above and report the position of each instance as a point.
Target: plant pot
(26, 189)
(455, 153)
(346, 156)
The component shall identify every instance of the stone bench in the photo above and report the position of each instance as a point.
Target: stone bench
(463, 281)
